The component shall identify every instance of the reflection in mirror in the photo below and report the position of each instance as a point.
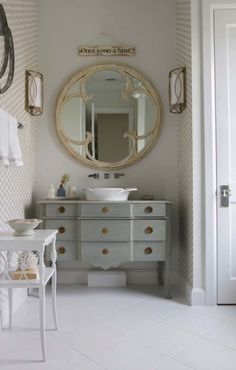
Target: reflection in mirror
(108, 116)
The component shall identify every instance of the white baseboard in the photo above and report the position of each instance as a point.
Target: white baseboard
(134, 276)
(198, 297)
(19, 296)
(107, 279)
(193, 296)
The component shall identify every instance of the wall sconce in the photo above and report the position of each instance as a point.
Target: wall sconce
(34, 92)
(8, 54)
(177, 90)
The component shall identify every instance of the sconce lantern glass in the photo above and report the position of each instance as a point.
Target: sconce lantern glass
(177, 90)
(34, 92)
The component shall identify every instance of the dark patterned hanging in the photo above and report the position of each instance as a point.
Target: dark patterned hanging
(8, 62)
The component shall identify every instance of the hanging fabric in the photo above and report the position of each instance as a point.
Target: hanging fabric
(8, 63)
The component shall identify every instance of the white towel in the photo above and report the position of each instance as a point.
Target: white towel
(10, 152)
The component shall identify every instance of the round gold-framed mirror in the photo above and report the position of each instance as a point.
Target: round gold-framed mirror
(108, 116)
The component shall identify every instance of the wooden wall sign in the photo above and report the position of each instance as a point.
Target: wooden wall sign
(107, 50)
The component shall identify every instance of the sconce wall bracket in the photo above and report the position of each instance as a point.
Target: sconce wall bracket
(34, 92)
(177, 90)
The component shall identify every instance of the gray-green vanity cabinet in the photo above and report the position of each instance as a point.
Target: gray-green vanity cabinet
(106, 234)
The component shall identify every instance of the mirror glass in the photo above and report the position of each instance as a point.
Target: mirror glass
(108, 116)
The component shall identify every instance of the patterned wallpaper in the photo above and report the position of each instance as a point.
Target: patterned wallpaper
(183, 51)
(17, 185)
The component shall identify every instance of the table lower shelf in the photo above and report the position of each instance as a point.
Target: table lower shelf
(10, 283)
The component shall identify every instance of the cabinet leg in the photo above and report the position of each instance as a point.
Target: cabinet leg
(167, 281)
(160, 272)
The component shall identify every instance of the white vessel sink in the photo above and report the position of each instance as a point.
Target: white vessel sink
(108, 193)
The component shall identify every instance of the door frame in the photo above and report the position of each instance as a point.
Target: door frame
(210, 184)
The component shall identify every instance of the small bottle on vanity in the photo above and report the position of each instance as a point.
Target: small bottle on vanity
(51, 191)
(72, 191)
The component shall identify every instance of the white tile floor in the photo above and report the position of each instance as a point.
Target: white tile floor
(121, 329)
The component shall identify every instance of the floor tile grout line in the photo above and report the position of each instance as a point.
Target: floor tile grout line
(131, 306)
(209, 341)
(169, 357)
(84, 354)
(166, 354)
(197, 336)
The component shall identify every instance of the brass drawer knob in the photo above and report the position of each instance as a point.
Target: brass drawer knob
(148, 210)
(148, 250)
(105, 251)
(61, 229)
(61, 209)
(105, 209)
(105, 231)
(148, 230)
(62, 250)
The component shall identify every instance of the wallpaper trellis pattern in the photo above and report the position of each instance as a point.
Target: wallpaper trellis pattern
(185, 156)
(17, 185)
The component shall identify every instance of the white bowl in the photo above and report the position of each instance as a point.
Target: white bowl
(114, 194)
(24, 227)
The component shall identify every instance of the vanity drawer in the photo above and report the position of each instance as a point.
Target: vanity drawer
(61, 210)
(105, 210)
(67, 229)
(149, 251)
(105, 254)
(149, 210)
(66, 251)
(149, 230)
(105, 230)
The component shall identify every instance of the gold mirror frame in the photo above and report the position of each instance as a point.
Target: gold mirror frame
(133, 157)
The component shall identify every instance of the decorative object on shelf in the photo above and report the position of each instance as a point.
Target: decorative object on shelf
(8, 62)
(27, 266)
(28, 260)
(61, 192)
(51, 193)
(34, 92)
(177, 90)
(24, 275)
(24, 227)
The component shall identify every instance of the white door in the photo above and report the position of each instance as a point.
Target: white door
(225, 79)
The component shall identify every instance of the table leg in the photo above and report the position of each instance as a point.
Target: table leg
(54, 299)
(54, 283)
(10, 302)
(42, 319)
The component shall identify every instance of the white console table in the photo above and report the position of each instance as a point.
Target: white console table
(38, 242)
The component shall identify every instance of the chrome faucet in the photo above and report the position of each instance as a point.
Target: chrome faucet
(94, 175)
